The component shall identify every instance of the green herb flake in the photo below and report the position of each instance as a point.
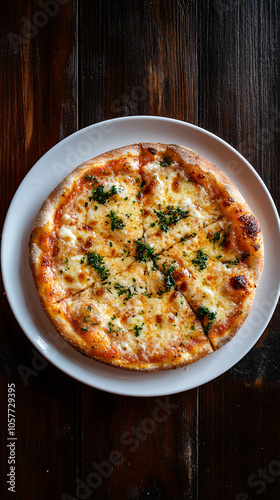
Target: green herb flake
(101, 196)
(137, 329)
(97, 262)
(204, 311)
(91, 178)
(216, 237)
(145, 252)
(166, 160)
(116, 222)
(139, 194)
(201, 260)
(170, 216)
(122, 290)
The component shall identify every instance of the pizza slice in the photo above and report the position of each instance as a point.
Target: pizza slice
(134, 320)
(213, 269)
(176, 200)
(88, 225)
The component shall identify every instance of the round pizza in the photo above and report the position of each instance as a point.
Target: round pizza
(146, 257)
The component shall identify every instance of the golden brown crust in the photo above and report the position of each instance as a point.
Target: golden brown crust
(233, 210)
(61, 323)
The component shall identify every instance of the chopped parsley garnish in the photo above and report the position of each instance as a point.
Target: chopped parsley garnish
(244, 256)
(145, 252)
(96, 261)
(170, 216)
(230, 262)
(86, 320)
(166, 160)
(102, 196)
(91, 178)
(137, 329)
(201, 260)
(111, 328)
(116, 222)
(84, 329)
(216, 237)
(204, 311)
(122, 290)
(169, 279)
(141, 189)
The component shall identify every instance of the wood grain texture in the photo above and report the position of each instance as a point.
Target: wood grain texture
(139, 59)
(215, 64)
(38, 108)
(239, 102)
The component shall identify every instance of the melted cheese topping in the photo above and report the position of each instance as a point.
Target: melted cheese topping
(146, 262)
(169, 187)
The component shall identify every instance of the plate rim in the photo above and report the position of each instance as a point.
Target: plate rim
(78, 377)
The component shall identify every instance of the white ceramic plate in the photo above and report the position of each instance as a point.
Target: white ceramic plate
(50, 170)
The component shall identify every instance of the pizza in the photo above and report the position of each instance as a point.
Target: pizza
(146, 257)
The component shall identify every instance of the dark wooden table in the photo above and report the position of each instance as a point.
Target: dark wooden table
(66, 64)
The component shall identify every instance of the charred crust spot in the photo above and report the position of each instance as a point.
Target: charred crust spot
(200, 176)
(86, 228)
(171, 318)
(256, 247)
(250, 225)
(178, 274)
(228, 201)
(239, 282)
(125, 317)
(159, 318)
(152, 151)
(148, 189)
(158, 233)
(100, 292)
(82, 276)
(69, 278)
(45, 261)
(55, 251)
(176, 184)
(184, 286)
(89, 242)
(173, 295)
(226, 244)
(147, 212)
